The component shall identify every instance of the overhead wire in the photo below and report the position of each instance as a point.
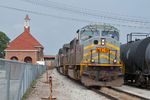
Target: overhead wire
(68, 18)
(101, 12)
(60, 6)
(44, 14)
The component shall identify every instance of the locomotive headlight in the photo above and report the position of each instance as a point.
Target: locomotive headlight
(114, 61)
(103, 40)
(103, 43)
(92, 60)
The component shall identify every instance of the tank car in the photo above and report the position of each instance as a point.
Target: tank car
(136, 58)
(93, 57)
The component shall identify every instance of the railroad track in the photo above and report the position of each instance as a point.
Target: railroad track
(109, 96)
(117, 94)
(112, 93)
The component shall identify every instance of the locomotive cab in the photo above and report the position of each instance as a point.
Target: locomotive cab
(101, 46)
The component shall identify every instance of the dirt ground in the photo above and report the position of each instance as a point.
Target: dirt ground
(63, 89)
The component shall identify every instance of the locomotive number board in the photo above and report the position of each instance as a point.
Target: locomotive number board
(102, 50)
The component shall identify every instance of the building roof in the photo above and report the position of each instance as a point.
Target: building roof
(24, 41)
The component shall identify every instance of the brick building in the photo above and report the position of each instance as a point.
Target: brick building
(49, 60)
(25, 47)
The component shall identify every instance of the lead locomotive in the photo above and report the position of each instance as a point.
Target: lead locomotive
(93, 57)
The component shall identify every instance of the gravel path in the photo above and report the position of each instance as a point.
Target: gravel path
(63, 89)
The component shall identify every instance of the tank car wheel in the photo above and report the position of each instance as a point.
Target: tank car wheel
(140, 80)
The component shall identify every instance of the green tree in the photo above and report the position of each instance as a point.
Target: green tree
(4, 40)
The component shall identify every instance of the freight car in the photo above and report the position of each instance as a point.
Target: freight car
(136, 58)
(93, 57)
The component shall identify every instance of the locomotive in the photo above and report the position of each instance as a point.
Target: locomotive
(135, 56)
(93, 57)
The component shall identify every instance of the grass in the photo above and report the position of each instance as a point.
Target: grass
(40, 76)
(28, 91)
(52, 67)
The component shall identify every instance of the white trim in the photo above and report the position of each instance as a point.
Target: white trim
(21, 50)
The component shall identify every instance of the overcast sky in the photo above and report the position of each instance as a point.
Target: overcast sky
(54, 22)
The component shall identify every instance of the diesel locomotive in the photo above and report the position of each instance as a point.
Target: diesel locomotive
(136, 58)
(93, 57)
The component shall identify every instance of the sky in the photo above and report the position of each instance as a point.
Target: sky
(55, 22)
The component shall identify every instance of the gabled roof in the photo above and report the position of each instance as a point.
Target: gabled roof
(24, 41)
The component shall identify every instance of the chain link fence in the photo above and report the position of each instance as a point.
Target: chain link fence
(16, 77)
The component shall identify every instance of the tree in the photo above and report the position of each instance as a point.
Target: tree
(4, 40)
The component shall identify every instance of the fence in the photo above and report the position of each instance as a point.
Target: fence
(16, 77)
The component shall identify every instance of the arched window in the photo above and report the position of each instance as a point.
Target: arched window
(14, 58)
(28, 59)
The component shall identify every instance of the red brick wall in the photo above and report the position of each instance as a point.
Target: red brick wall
(22, 54)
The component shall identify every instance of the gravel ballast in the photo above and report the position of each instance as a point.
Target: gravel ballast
(63, 89)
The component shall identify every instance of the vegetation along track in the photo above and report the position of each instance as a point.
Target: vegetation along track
(117, 94)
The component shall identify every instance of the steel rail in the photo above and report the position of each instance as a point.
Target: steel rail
(109, 96)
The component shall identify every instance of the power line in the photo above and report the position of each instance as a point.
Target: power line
(71, 9)
(101, 12)
(68, 18)
(44, 14)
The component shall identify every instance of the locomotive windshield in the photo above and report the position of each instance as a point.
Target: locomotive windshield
(112, 34)
(88, 34)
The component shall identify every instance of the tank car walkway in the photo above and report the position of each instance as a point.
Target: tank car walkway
(63, 89)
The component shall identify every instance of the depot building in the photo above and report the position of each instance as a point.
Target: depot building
(25, 47)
